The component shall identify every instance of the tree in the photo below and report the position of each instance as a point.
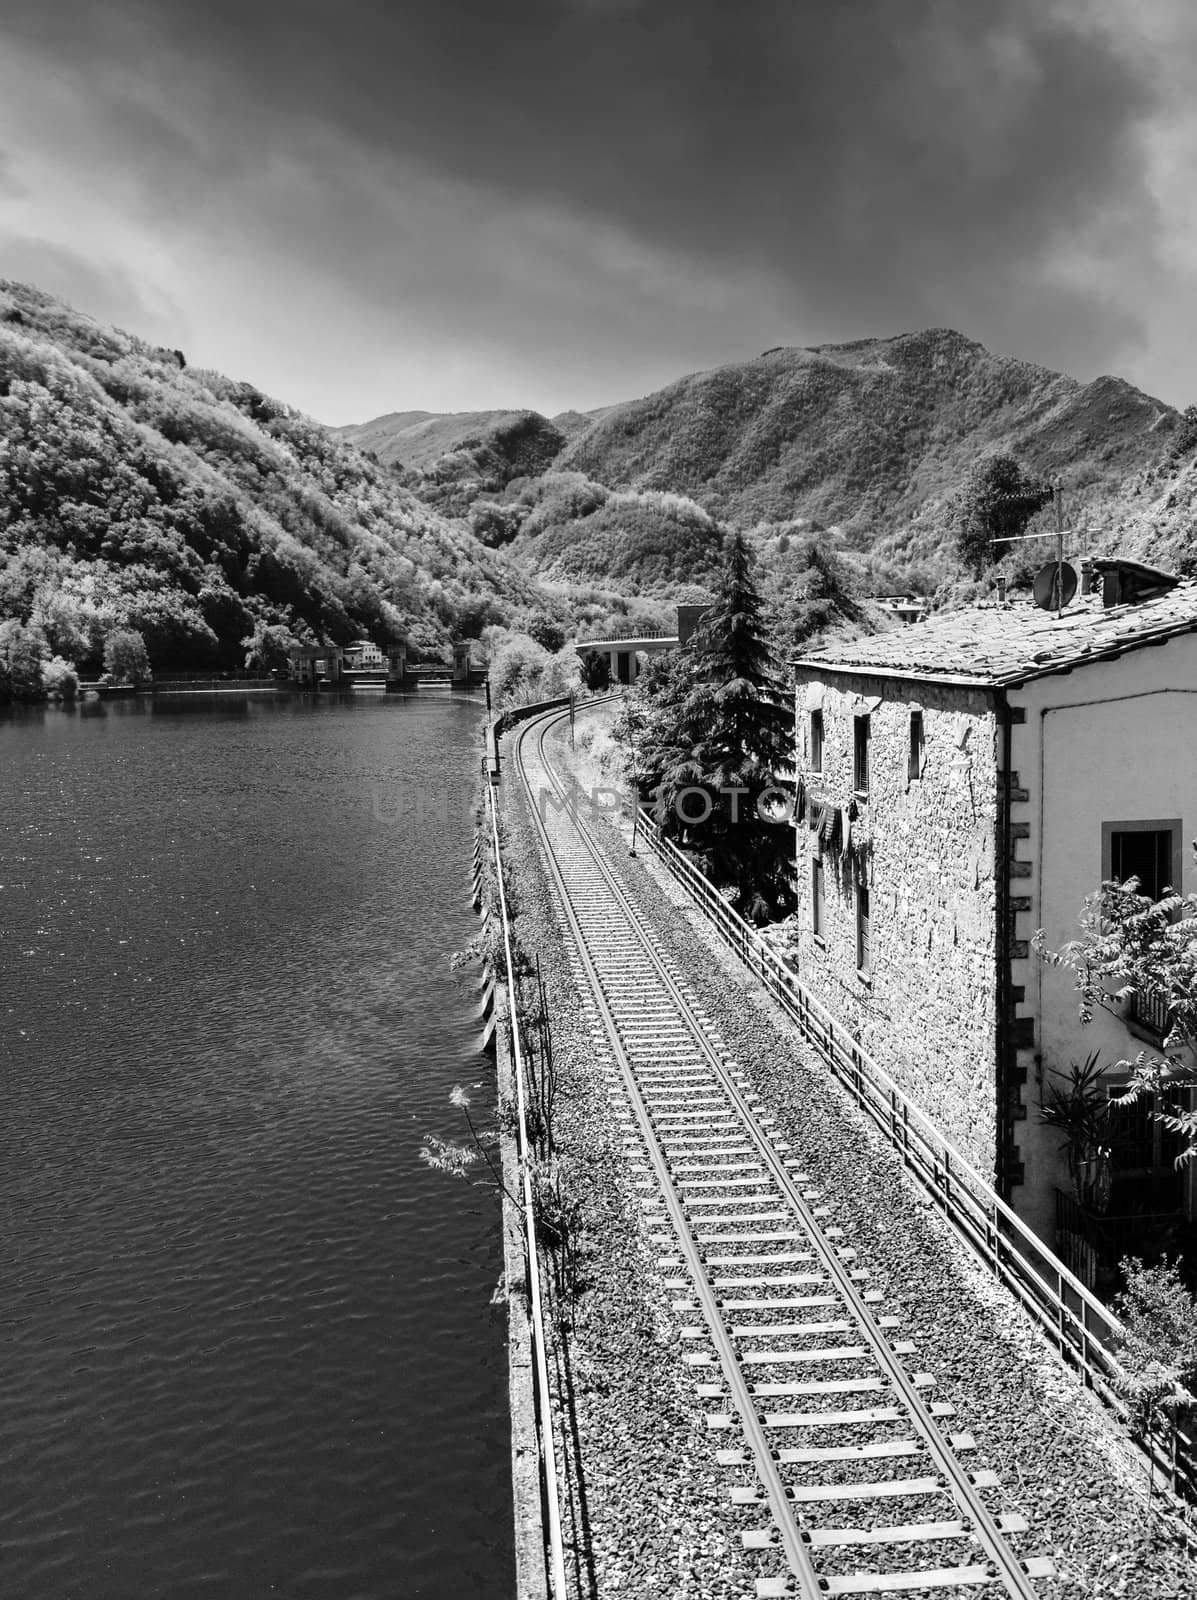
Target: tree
(993, 505)
(1185, 439)
(268, 646)
(59, 679)
(596, 670)
(22, 652)
(547, 632)
(515, 669)
(559, 675)
(813, 592)
(1158, 1348)
(125, 657)
(1131, 944)
(715, 744)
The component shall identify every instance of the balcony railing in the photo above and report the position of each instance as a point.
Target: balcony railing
(1149, 1008)
(1092, 1243)
(625, 633)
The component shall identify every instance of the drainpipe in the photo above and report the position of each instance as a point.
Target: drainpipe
(1005, 1055)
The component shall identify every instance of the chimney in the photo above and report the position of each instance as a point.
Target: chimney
(1001, 588)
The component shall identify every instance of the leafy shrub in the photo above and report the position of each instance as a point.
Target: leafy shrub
(596, 670)
(59, 679)
(125, 656)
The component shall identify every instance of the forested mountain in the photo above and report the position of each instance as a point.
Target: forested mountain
(874, 437)
(420, 439)
(863, 445)
(139, 493)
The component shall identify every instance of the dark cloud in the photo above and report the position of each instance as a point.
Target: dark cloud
(799, 171)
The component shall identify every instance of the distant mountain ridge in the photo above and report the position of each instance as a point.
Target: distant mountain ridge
(869, 439)
(418, 439)
(870, 436)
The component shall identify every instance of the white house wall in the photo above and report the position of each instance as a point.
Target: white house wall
(1109, 742)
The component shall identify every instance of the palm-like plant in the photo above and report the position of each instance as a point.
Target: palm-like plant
(1080, 1108)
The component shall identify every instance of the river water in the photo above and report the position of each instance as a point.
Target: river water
(246, 1340)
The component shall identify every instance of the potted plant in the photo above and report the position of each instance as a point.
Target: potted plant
(1080, 1108)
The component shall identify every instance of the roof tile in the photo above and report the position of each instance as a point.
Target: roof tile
(1007, 643)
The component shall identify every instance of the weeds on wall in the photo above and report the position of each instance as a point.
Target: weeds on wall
(536, 1036)
(558, 1216)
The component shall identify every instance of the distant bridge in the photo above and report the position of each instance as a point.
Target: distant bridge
(624, 647)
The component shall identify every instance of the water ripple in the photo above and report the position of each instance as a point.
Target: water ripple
(246, 1336)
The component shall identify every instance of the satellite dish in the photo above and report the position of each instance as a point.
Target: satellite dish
(1055, 585)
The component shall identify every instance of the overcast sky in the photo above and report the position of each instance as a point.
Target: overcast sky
(465, 203)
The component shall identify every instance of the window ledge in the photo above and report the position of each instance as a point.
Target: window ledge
(1141, 1031)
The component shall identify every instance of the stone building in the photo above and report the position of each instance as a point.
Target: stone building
(364, 654)
(966, 781)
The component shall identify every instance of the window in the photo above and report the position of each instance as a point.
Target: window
(816, 741)
(1149, 851)
(918, 745)
(817, 902)
(1144, 1172)
(860, 765)
(862, 927)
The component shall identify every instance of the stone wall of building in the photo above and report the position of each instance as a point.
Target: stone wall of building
(926, 1010)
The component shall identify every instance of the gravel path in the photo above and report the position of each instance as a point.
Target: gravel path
(650, 1509)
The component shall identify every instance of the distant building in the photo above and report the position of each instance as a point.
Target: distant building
(316, 664)
(905, 607)
(364, 654)
(968, 780)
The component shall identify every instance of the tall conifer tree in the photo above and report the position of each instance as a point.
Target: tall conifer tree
(721, 741)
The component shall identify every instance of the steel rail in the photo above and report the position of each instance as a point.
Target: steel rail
(796, 1551)
(1008, 1567)
(548, 1450)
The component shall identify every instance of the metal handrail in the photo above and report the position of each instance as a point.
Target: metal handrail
(548, 1451)
(623, 635)
(1078, 1324)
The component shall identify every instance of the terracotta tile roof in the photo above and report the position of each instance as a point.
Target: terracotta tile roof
(1010, 643)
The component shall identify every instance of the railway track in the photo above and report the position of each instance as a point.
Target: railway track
(848, 1469)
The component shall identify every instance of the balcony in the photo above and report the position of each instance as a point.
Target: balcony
(1092, 1243)
(1148, 1015)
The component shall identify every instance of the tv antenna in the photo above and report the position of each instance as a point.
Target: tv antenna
(1055, 582)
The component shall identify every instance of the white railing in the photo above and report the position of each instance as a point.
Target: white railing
(1077, 1323)
(548, 1451)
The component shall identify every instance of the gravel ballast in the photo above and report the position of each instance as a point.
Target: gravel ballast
(650, 1509)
